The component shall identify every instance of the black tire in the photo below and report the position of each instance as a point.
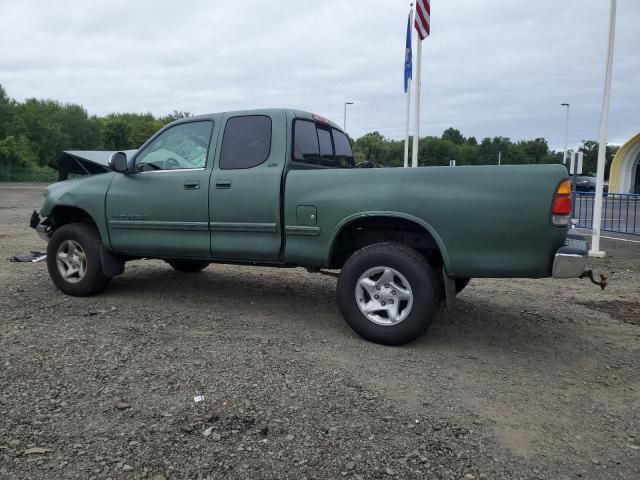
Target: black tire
(461, 283)
(87, 237)
(188, 266)
(418, 273)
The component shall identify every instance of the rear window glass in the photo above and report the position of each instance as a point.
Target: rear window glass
(246, 142)
(306, 148)
(344, 154)
(317, 145)
(326, 147)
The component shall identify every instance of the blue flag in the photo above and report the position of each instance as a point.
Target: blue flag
(408, 62)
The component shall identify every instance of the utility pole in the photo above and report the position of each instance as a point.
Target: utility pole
(602, 138)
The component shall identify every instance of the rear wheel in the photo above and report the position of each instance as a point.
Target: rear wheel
(388, 293)
(73, 260)
(188, 266)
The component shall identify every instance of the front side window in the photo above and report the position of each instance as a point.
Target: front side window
(183, 146)
(246, 142)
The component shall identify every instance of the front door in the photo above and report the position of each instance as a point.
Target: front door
(245, 188)
(163, 208)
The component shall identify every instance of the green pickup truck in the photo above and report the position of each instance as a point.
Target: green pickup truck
(279, 187)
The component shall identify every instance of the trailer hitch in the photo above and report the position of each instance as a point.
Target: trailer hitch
(604, 279)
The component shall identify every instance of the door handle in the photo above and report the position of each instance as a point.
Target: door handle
(191, 185)
(223, 183)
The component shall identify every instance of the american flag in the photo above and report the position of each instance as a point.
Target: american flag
(423, 18)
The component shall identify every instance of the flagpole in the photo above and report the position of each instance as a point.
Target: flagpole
(602, 139)
(416, 125)
(408, 119)
(406, 137)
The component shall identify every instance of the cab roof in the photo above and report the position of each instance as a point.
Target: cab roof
(263, 111)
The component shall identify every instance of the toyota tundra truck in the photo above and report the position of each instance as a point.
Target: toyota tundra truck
(279, 187)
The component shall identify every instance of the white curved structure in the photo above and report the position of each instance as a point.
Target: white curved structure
(624, 175)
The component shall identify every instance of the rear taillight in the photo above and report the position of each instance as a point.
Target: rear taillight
(561, 206)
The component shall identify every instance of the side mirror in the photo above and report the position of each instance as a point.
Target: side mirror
(118, 162)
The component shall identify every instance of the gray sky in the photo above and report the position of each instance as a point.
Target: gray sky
(491, 67)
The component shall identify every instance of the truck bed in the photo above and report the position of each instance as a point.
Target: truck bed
(488, 221)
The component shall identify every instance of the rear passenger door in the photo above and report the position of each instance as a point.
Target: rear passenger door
(244, 193)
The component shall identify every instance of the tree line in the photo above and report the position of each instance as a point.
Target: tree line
(34, 131)
(452, 145)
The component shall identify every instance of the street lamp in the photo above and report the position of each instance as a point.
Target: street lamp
(344, 125)
(566, 134)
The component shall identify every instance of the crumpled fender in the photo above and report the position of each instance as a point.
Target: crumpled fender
(87, 194)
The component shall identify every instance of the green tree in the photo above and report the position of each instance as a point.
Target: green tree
(175, 115)
(536, 151)
(7, 113)
(18, 162)
(453, 135)
(589, 149)
(369, 147)
(116, 135)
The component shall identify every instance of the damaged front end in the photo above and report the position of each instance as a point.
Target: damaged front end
(41, 225)
(83, 162)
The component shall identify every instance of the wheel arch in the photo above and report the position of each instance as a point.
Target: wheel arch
(63, 214)
(383, 222)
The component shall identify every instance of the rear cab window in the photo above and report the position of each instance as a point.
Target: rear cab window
(320, 146)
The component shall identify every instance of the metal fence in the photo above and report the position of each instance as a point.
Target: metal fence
(620, 212)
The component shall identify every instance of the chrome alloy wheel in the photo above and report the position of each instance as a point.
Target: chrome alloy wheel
(384, 296)
(71, 261)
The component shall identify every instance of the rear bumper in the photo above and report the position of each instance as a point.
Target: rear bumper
(571, 259)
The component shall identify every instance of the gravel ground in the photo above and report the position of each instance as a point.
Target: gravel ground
(526, 379)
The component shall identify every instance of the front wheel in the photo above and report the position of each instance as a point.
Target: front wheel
(388, 293)
(73, 260)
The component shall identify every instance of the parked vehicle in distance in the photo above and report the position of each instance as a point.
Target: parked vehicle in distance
(278, 187)
(584, 183)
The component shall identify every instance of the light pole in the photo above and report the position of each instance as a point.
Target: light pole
(566, 134)
(344, 125)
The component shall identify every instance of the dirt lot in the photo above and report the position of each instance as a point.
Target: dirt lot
(521, 379)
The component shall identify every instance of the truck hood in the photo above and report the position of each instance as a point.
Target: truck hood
(83, 162)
